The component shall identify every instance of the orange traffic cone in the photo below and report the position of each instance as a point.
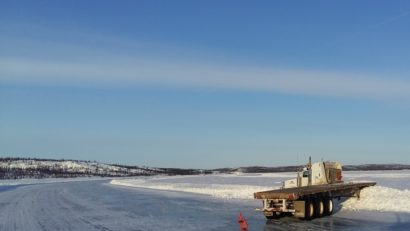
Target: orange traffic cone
(243, 225)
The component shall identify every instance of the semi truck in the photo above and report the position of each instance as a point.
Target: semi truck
(311, 194)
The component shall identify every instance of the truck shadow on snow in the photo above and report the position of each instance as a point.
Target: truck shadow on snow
(333, 223)
(339, 223)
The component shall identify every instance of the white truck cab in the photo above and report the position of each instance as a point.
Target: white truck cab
(316, 174)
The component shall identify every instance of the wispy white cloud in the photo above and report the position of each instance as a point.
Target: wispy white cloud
(54, 63)
(134, 72)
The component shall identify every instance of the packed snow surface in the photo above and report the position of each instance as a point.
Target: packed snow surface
(391, 194)
(46, 181)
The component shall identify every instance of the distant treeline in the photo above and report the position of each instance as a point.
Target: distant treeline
(8, 159)
(373, 167)
(366, 167)
(182, 171)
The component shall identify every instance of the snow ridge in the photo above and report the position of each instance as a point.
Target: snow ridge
(379, 198)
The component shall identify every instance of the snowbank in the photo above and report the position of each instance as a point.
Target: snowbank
(379, 198)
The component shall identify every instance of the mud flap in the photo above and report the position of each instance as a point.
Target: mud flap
(299, 209)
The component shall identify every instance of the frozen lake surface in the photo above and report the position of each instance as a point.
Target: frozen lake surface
(99, 205)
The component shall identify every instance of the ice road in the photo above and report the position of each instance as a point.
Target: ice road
(98, 205)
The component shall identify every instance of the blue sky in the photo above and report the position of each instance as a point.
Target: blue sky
(205, 83)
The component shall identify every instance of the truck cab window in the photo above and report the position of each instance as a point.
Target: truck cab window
(305, 173)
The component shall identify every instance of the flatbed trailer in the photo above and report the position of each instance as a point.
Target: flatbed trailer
(307, 202)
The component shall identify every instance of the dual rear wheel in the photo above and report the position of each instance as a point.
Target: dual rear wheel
(318, 207)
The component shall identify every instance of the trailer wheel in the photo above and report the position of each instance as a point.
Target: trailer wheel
(273, 217)
(309, 210)
(328, 203)
(319, 207)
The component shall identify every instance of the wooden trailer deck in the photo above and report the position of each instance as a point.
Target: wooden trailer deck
(329, 190)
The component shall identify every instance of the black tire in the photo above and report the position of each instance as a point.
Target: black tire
(309, 210)
(319, 207)
(273, 217)
(329, 206)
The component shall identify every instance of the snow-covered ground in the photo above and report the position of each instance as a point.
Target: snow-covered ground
(392, 193)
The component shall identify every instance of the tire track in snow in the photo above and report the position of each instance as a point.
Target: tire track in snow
(88, 206)
(39, 207)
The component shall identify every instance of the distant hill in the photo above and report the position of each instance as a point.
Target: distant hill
(17, 168)
(365, 167)
(368, 167)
